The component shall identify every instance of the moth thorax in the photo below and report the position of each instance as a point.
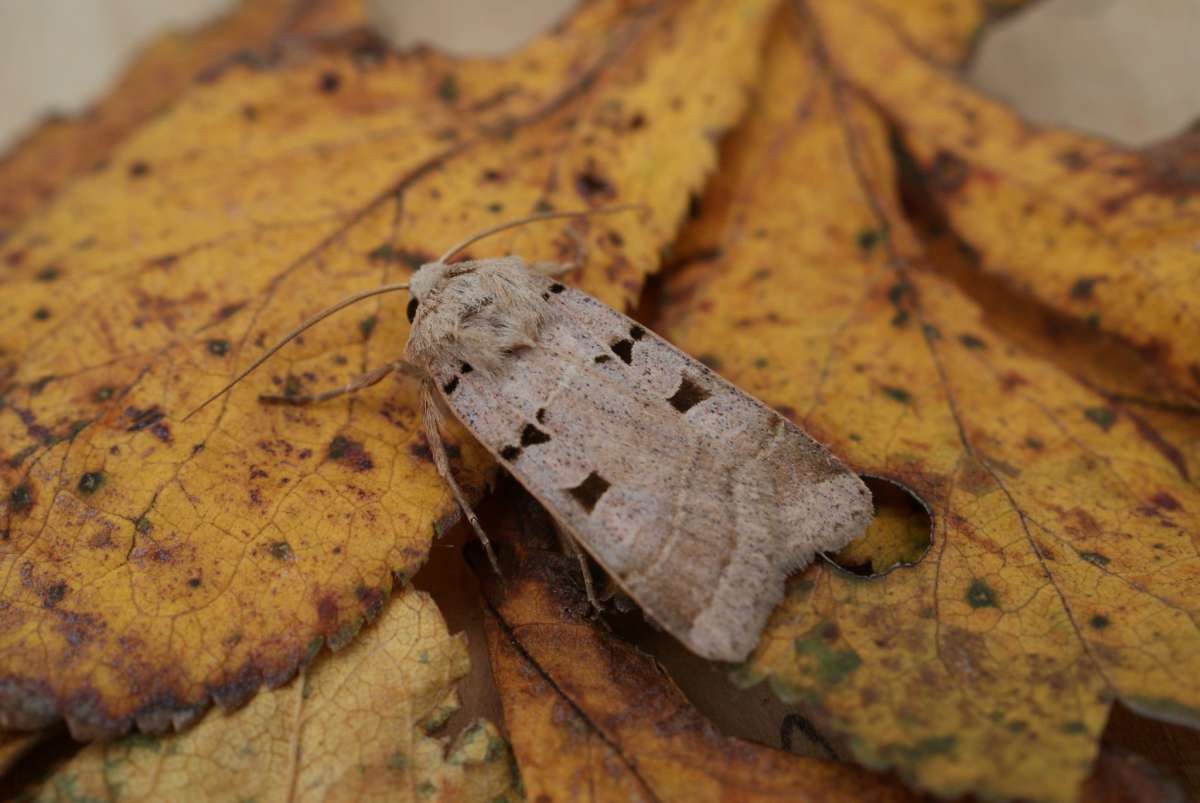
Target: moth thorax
(479, 312)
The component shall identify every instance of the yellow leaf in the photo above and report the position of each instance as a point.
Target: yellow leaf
(1100, 234)
(592, 717)
(348, 728)
(1062, 570)
(62, 148)
(149, 564)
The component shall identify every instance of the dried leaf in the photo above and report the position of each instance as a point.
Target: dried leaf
(1062, 570)
(63, 148)
(350, 728)
(1102, 235)
(149, 564)
(591, 716)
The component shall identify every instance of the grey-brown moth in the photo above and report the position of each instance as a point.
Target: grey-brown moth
(695, 497)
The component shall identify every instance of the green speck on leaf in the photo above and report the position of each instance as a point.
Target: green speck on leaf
(761, 362)
(90, 482)
(898, 394)
(346, 633)
(20, 499)
(980, 595)
(280, 550)
(869, 238)
(1101, 417)
(313, 647)
(1099, 621)
(144, 741)
(448, 89)
(832, 665)
(897, 291)
(367, 325)
(398, 761)
(1074, 726)
(382, 253)
(1095, 558)
(426, 788)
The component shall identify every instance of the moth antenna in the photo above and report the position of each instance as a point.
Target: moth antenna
(512, 224)
(312, 321)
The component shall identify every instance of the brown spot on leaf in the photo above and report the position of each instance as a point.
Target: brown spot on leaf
(142, 419)
(327, 611)
(948, 172)
(1165, 501)
(350, 453)
(593, 187)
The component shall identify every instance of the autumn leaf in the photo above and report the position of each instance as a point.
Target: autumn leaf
(944, 31)
(152, 565)
(355, 726)
(1100, 234)
(590, 715)
(63, 148)
(1062, 563)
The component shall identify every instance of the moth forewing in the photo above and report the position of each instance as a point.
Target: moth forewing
(697, 498)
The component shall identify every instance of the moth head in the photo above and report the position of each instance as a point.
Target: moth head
(425, 281)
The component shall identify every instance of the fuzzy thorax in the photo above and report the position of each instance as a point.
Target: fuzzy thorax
(477, 312)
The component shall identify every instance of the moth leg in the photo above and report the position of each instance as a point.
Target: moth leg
(431, 419)
(571, 545)
(559, 268)
(357, 383)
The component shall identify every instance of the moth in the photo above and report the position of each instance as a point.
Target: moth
(696, 498)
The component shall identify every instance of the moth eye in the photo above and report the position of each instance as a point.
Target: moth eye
(412, 309)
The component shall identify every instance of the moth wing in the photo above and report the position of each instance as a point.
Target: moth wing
(698, 499)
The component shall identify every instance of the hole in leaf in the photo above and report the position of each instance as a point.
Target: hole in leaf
(899, 535)
(450, 386)
(510, 453)
(588, 492)
(687, 395)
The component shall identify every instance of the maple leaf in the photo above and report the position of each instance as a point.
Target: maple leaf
(150, 565)
(1060, 572)
(355, 726)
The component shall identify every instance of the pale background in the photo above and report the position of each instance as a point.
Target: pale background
(1129, 69)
